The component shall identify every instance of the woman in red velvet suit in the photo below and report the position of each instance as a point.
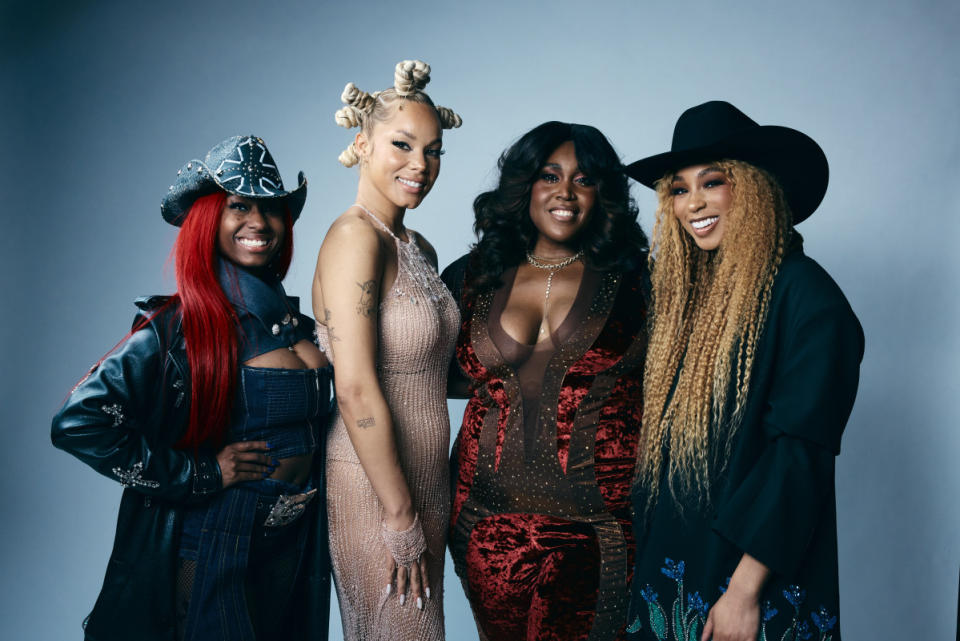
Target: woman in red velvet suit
(550, 354)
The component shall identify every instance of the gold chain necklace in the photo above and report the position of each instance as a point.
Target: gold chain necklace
(553, 268)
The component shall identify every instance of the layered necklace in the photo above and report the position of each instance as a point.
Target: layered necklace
(552, 268)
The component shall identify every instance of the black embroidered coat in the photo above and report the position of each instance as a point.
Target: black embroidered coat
(776, 498)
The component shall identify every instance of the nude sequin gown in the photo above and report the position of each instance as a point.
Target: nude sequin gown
(418, 325)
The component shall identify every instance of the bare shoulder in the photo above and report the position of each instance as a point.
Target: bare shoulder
(353, 230)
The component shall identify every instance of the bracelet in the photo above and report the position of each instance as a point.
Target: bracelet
(406, 546)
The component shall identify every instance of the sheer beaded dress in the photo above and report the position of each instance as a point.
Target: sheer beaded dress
(418, 323)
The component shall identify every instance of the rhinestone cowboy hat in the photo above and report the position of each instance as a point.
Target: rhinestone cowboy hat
(717, 130)
(240, 165)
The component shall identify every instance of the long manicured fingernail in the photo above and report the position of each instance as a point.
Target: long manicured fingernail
(269, 445)
(419, 603)
(428, 592)
(389, 588)
(403, 597)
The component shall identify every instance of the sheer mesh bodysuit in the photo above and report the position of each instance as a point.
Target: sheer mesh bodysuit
(418, 324)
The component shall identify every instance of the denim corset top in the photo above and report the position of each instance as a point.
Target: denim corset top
(285, 407)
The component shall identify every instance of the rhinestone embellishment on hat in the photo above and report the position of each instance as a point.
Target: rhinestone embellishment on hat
(250, 170)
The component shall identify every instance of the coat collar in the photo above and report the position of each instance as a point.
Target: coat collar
(264, 300)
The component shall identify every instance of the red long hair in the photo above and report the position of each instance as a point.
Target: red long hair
(210, 321)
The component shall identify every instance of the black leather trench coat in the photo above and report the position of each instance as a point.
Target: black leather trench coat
(123, 420)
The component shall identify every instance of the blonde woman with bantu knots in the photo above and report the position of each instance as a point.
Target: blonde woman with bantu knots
(388, 324)
(751, 374)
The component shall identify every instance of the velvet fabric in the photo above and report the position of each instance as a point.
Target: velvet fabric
(544, 544)
(522, 569)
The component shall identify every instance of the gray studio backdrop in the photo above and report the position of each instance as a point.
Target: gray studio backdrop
(102, 102)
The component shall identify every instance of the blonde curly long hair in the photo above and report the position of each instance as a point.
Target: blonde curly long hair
(709, 309)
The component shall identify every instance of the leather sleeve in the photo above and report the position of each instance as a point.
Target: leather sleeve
(120, 421)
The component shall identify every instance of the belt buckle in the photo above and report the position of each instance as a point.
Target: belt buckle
(288, 508)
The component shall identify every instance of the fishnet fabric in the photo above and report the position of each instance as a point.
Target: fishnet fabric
(418, 324)
(272, 568)
(186, 571)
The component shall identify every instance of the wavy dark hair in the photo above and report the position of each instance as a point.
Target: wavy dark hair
(612, 239)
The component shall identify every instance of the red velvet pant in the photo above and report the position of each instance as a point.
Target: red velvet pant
(533, 577)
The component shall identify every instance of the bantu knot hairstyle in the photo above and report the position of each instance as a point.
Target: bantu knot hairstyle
(363, 109)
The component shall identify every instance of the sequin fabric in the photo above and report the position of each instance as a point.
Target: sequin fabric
(418, 323)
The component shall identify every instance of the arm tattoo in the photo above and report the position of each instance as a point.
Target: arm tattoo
(368, 299)
(364, 423)
(330, 333)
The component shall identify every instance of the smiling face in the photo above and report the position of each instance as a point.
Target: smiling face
(400, 157)
(561, 201)
(702, 197)
(251, 231)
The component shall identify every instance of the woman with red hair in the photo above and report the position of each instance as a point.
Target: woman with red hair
(208, 413)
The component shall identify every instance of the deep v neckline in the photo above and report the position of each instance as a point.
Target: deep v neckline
(555, 338)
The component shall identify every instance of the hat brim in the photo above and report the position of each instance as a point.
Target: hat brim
(792, 157)
(195, 180)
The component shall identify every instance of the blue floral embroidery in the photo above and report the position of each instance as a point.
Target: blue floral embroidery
(673, 570)
(695, 602)
(686, 623)
(823, 620)
(769, 611)
(825, 623)
(658, 618)
(795, 596)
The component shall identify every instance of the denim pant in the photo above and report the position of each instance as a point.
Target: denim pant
(228, 540)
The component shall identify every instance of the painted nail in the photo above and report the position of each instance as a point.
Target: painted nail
(419, 603)
(389, 588)
(269, 446)
(428, 592)
(403, 597)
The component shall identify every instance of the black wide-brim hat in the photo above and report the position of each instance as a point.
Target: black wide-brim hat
(240, 165)
(717, 130)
